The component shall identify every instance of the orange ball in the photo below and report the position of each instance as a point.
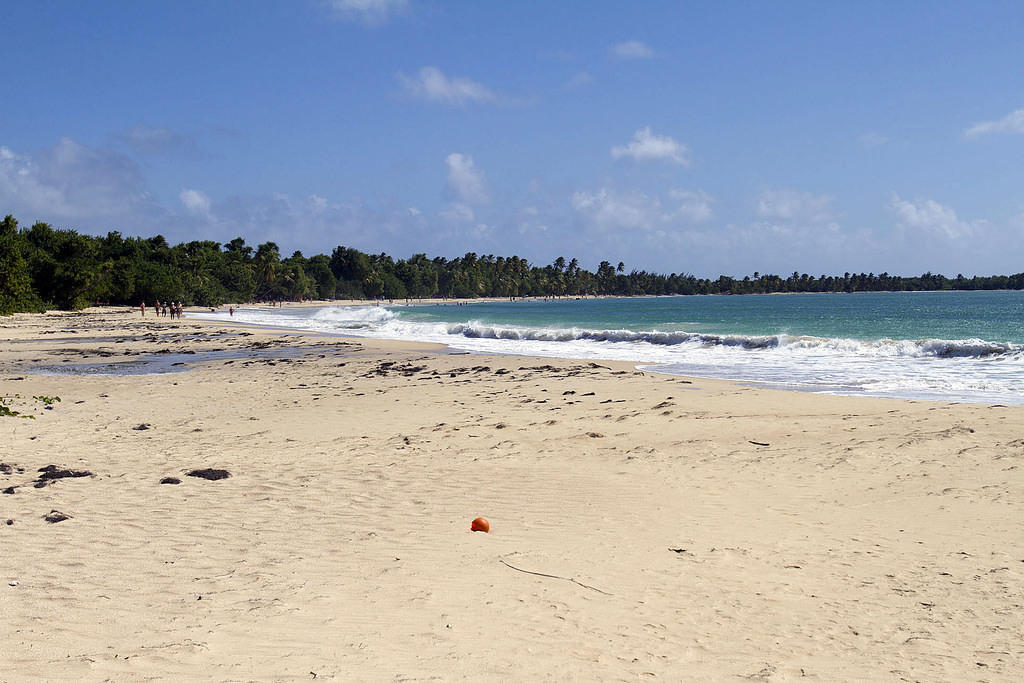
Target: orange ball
(481, 524)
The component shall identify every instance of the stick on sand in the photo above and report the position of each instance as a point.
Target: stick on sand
(551, 576)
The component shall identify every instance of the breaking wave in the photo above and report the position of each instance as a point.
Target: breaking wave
(939, 348)
(935, 369)
(353, 317)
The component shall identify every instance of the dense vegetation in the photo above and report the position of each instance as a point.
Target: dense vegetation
(42, 267)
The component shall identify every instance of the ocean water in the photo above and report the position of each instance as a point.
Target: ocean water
(956, 346)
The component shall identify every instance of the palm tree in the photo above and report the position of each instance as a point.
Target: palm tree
(265, 266)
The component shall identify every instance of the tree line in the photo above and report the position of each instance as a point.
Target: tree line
(42, 267)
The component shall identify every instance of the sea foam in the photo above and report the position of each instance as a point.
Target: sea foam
(954, 369)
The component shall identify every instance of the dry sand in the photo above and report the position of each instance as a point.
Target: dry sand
(688, 531)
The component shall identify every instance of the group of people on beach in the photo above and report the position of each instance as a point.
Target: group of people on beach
(173, 309)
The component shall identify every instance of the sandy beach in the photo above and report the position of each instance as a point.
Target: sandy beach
(643, 526)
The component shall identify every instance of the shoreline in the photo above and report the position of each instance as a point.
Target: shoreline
(682, 528)
(767, 378)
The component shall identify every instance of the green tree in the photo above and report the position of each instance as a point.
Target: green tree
(266, 262)
(16, 293)
(319, 268)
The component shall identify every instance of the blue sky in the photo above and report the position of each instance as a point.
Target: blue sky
(705, 138)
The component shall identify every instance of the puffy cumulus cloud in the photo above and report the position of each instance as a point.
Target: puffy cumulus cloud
(646, 146)
(371, 12)
(195, 201)
(76, 183)
(930, 217)
(1011, 123)
(632, 49)
(433, 85)
(465, 181)
(789, 205)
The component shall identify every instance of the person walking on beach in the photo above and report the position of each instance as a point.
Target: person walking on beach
(142, 308)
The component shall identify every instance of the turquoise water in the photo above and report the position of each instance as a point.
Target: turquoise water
(992, 316)
(959, 346)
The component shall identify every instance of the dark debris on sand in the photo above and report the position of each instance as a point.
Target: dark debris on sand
(55, 516)
(170, 480)
(210, 474)
(385, 368)
(51, 473)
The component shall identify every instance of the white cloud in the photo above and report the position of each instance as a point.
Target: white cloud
(609, 211)
(317, 204)
(606, 211)
(96, 190)
(632, 49)
(372, 12)
(1011, 123)
(789, 205)
(466, 181)
(431, 84)
(694, 205)
(646, 146)
(73, 182)
(195, 201)
(929, 216)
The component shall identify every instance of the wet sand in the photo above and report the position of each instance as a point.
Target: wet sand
(643, 526)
